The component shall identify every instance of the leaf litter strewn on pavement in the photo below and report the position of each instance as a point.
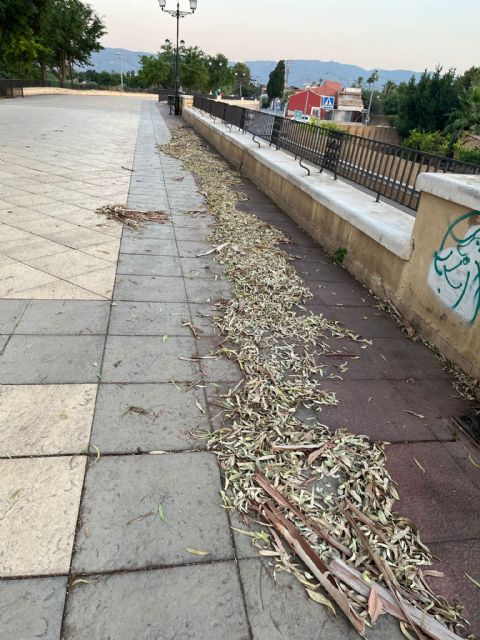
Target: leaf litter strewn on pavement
(325, 497)
(131, 217)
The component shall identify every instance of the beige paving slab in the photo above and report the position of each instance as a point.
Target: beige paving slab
(19, 214)
(6, 192)
(39, 501)
(4, 205)
(69, 264)
(107, 251)
(58, 209)
(28, 200)
(16, 276)
(92, 204)
(35, 247)
(69, 195)
(80, 238)
(78, 216)
(100, 282)
(56, 290)
(4, 260)
(45, 226)
(12, 234)
(38, 420)
(109, 228)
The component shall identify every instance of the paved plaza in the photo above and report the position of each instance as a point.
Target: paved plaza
(104, 496)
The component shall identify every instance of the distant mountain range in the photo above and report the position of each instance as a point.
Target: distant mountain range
(304, 72)
(301, 71)
(108, 59)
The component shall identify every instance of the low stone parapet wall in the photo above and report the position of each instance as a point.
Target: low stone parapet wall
(425, 266)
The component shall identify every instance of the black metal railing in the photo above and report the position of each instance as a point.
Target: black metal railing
(388, 170)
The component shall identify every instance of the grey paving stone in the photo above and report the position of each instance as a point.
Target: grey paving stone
(3, 341)
(200, 602)
(192, 233)
(201, 222)
(191, 248)
(149, 359)
(51, 359)
(150, 230)
(70, 317)
(202, 318)
(244, 549)
(160, 417)
(150, 318)
(218, 369)
(149, 203)
(280, 609)
(116, 533)
(204, 267)
(133, 264)
(32, 609)
(150, 288)
(149, 246)
(204, 290)
(10, 313)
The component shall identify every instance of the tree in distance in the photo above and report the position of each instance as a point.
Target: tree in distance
(276, 81)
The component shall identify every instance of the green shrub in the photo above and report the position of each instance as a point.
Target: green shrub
(328, 124)
(435, 142)
(467, 155)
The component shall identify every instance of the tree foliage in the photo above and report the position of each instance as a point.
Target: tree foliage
(466, 118)
(198, 72)
(426, 104)
(276, 81)
(20, 26)
(41, 34)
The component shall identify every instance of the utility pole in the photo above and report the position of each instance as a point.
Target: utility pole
(121, 69)
(371, 81)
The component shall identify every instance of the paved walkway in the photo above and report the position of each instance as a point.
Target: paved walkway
(97, 547)
(61, 159)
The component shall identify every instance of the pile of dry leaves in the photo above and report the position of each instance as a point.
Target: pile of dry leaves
(131, 217)
(325, 497)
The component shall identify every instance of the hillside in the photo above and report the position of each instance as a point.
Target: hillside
(107, 60)
(302, 71)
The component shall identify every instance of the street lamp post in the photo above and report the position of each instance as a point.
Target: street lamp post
(176, 13)
(239, 78)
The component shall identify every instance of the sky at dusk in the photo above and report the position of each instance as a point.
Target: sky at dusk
(406, 34)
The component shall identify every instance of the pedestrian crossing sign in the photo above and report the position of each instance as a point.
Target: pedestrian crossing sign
(328, 102)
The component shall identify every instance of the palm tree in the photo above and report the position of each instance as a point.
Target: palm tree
(358, 82)
(389, 87)
(372, 79)
(467, 117)
(371, 84)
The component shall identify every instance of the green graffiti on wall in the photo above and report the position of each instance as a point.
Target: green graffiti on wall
(454, 273)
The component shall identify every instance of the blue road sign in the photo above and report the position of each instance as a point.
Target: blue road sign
(328, 102)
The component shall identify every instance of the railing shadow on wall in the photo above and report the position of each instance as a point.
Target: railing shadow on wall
(388, 170)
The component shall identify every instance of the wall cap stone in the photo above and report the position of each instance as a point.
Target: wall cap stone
(463, 189)
(392, 228)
